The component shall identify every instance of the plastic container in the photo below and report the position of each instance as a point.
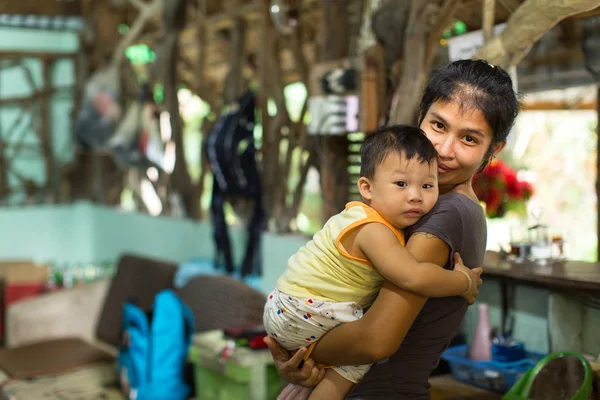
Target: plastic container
(240, 374)
(490, 375)
(522, 390)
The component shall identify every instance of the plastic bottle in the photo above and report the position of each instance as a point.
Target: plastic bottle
(481, 348)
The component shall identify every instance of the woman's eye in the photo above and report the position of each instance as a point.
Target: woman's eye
(470, 139)
(438, 125)
(401, 184)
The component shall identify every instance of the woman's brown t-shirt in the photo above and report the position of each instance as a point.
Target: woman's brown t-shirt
(460, 222)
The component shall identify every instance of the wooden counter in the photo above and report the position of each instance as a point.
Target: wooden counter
(579, 276)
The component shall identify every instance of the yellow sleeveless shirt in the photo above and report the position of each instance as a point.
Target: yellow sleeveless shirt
(323, 270)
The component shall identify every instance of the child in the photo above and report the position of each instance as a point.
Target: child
(338, 274)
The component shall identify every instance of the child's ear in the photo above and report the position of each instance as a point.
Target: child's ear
(364, 188)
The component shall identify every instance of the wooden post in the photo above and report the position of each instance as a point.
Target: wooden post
(334, 149)
(97, 177)
(3, 171)
(234, 81)
(172, 13)
(45, 135)
(489, 7)
(206, 123)
(598, 165)
(270, 149)
(421, 41)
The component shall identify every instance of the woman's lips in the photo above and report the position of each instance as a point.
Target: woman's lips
(442, 169)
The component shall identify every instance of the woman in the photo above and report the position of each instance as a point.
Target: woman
(467, 111)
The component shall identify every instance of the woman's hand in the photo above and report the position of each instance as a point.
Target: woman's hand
(475, 275)
(309, 375)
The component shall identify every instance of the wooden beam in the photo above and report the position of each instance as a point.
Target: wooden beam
(18, 54)
(550, 105)
(24, 100)
(147, 11)
(587, 14)
(526, 26)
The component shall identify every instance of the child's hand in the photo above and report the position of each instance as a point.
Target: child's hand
(473, 276)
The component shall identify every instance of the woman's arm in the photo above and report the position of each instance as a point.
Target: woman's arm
(382, 329)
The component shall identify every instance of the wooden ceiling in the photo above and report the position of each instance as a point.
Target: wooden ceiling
(41, 7)
(206, 22)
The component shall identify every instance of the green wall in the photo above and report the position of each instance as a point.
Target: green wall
(83, 232)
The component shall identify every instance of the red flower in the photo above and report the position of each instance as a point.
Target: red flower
(497, 184)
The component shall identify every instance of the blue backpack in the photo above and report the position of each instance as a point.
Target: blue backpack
(154, 352)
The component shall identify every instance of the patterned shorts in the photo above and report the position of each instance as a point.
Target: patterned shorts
(298, 322)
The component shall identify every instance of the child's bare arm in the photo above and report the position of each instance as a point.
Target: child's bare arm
(332, 387)
(400, 267)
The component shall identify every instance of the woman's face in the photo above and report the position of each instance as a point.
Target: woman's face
(462, 138)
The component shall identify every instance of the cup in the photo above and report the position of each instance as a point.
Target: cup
(541, 246)
(519, 242)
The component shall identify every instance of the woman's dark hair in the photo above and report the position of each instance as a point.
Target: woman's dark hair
(409, 141)
(476, 84)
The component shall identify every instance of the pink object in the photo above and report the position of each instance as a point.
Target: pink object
(481, 348)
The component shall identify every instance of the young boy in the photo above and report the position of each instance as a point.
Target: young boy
(338, 274)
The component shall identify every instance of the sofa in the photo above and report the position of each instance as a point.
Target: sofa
(65, 342)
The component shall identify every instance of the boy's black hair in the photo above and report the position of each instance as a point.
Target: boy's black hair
(409, 141)
(475, 84)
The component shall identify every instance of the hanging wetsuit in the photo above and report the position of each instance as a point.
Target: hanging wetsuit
(231, 153)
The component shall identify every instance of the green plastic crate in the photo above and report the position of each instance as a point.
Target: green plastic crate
(246, 375)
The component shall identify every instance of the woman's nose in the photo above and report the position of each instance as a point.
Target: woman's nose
(445, 147)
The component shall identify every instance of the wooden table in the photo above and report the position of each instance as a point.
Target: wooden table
(577, 279)
(570, 276)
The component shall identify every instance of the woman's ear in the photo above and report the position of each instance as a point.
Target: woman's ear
(364, 188)
(498, 148)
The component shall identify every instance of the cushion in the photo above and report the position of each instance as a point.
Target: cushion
(138, 279)
(220, 302)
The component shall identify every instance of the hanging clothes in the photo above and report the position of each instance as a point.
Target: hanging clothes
(137, 141)
(100, 110)
(232, 157)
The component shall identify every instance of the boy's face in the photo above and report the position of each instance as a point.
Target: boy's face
(402, 190)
